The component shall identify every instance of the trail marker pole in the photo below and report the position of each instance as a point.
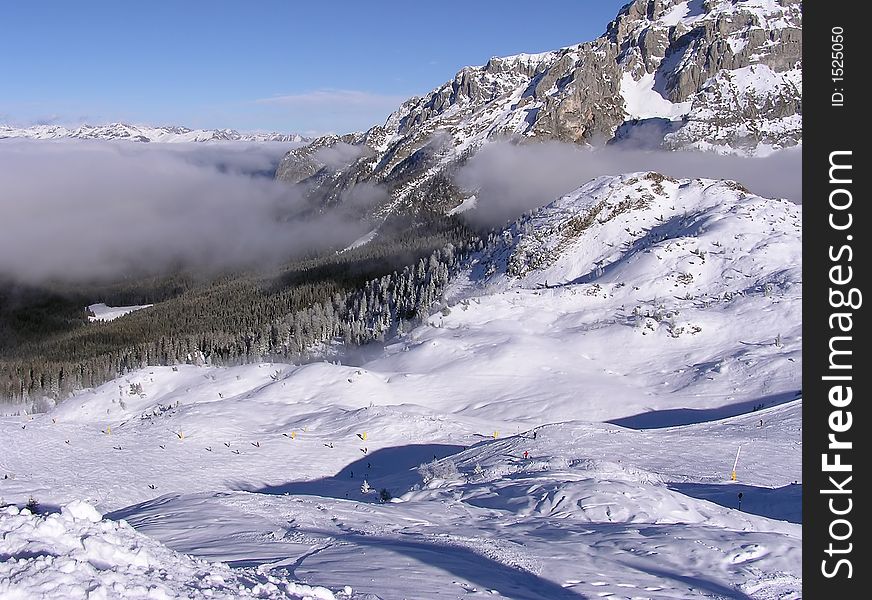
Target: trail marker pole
(735, 464)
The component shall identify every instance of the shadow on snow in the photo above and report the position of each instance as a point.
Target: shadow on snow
(507, 580)
(387, 467)
(695, 583)
(673, 417)
(784, 503)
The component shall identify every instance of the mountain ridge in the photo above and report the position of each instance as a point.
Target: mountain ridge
(143, 133)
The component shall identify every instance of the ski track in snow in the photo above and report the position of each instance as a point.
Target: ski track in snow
(628, 361)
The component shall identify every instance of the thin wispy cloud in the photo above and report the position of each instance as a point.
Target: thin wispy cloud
(47, 120)
(331, 110)
(509, 179)
(339, 98)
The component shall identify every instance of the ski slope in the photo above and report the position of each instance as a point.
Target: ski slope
(565, 428)
(102, 312)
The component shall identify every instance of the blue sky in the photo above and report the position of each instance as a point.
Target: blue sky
(259, 65)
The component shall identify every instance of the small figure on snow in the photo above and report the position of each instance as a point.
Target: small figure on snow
(526, 455)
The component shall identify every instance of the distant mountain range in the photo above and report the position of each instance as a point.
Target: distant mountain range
(143, 133)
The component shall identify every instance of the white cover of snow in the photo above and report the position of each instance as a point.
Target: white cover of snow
(642, 102)
(467, 204)
(362, 240)
(771, 12)
(76, 554)
(675, 314)
(108, 313)
(675, 15)
(740, 90)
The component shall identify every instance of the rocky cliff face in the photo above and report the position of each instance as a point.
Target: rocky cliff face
(720, 75)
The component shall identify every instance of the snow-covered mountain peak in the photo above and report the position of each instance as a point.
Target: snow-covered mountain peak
(534, 61)
(713, 75)
(688, 238)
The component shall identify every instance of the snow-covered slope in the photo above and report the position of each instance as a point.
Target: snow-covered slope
(142, 133)
(101, 312)
(564, 427)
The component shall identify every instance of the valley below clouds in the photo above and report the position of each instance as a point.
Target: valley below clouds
(96, 209)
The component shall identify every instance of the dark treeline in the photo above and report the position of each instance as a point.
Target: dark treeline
(357, 296)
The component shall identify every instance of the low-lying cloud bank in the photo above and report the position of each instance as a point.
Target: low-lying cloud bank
(509, 179)
(79, 210)
(82, 210)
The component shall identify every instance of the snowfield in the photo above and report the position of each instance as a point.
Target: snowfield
(102, 312)
(564, 427)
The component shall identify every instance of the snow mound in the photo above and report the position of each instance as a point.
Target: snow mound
(78, 554)
(554, 474)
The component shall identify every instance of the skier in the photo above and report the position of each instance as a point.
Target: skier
(526, 454)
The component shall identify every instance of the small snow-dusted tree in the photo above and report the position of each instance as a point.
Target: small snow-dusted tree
(384, 495)
(32, 505)
(438, 469)
(365, 488)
